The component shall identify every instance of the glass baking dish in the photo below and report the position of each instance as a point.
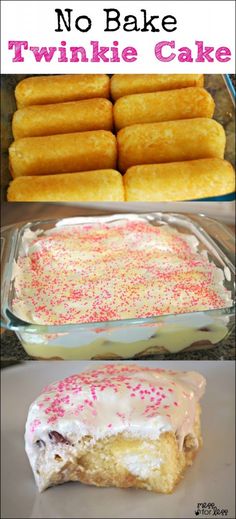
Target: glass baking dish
(129, 338)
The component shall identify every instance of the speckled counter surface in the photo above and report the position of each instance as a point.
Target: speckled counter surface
(233, 79)
(11, 350)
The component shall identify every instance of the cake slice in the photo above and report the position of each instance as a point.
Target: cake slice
(117, 425)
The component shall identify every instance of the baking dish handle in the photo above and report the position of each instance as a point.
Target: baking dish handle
(8, 237)
(220, 233)
(6, 233)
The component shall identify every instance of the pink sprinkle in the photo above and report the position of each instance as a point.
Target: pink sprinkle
(34, 425)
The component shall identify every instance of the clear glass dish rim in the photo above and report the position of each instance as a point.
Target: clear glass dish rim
(22, 326)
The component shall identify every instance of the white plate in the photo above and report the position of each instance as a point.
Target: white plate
(209, 480)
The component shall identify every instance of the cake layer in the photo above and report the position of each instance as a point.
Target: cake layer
(125, 84)
(105, 185)
(171, 141)
(41, 90)
(65, 153)
(52, 119)
(191, 179)
(184, 103)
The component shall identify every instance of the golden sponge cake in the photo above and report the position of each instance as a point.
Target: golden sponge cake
(179, 180)
(83, 151)
(87, 186)
(184, 103)
(41, 90)
(75, 116)
(125, 84)
(171, 141)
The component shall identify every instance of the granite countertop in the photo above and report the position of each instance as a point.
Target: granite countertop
(12, 351)
(233, 79)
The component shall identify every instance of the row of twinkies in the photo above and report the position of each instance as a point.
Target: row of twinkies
(73, 144)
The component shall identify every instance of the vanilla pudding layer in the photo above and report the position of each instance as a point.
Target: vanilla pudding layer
(117, 425)
(172, 340)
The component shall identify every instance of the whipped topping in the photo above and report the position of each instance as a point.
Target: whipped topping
(121, 270)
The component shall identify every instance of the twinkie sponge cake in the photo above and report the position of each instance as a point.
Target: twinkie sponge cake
(172, 105)
(126, 84)
(64, 153)
(118, 425)
(86, 186)
(190, 179)
(41, 90)
(170, 141)
(54, 119)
